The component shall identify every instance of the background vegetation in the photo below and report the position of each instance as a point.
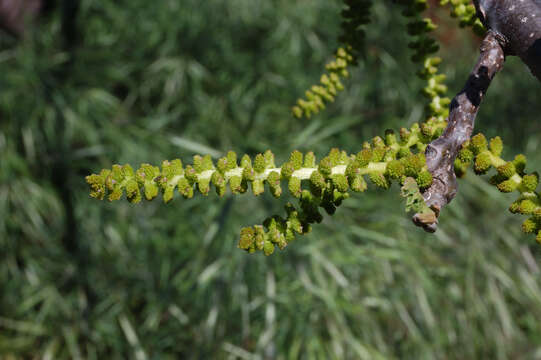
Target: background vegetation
(148, 81)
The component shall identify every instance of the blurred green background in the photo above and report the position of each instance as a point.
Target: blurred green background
(152, 80)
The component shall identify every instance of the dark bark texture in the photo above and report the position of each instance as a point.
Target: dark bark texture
(518, 25)
(514, 28)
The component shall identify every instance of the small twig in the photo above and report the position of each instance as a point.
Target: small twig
(514, 29)
(441, 153)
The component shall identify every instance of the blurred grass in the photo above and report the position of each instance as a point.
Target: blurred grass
(153, 81)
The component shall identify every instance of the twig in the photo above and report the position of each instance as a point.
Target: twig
(514, 28)
(441, 153)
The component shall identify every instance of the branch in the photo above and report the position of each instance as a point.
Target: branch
(442, 152)
(518, 24)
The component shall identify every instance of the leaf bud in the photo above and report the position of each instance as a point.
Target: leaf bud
(395, 169)
(297, 111)
(248, 173)
(151, 190)
(403, 152)
(235, 184)
(191, 174)
(317, 181)
(527, 206)
(478, 143)
(268, 248)
(274, 184)
(269, 159)
(507, 170)
(222, 165)
(334, 156)
(515, 207)
(203, 185)
(520, 163)
(461, 168)
(378, 154)
(412, 165)
(358, 184)
(287, 170)
(507, 186)
(168, 193)
(296, 159)
(529, 226)
(258, 187)
(340, 182)
(379, 180)
(404, 134)
(363, 158)
(378, 142)
(231, 160)
(496, 146)
(465, 155)
(309, 160)
(530, 182)
(132, 191)
(294, 186)
(97, 184)
(424, 179)
(483, 162)
(325, 166)
(219, 183)
(245, 161)
(185, 188)
(390, 137)
(247, 237)
(259, 163)
(339, 196)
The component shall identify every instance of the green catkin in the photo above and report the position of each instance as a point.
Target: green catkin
(324, 184)
(355, 15)
(424, 47)
(465, 12)
(510, 176)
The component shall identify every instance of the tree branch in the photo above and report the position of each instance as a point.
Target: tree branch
(518, 25)
(442, 152)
